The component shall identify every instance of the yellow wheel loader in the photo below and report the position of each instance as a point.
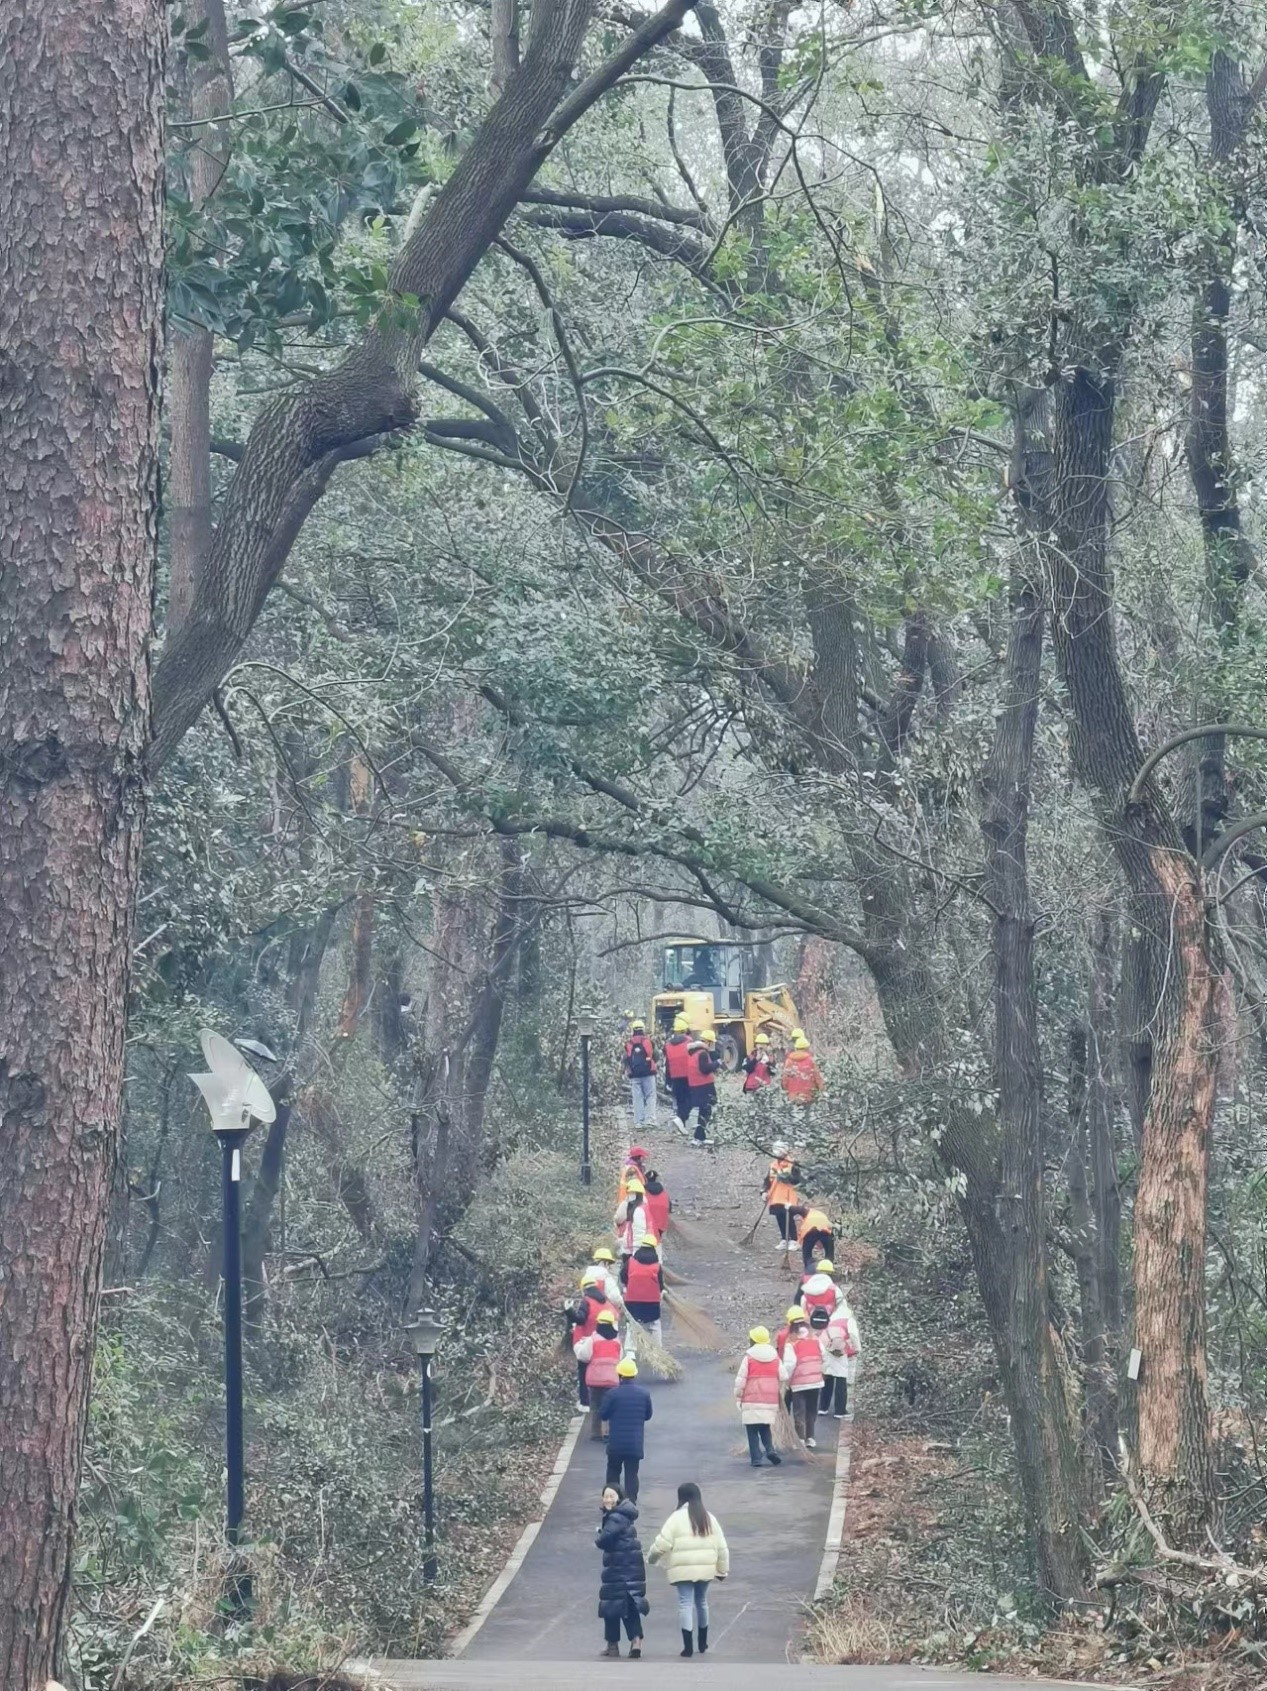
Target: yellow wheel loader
(718, 984)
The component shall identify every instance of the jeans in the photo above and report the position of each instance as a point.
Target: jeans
(644, 1105)
(759, 1438)
(597, 1394)
(835, 1387)
(632, 1620)
(816, 1236)
(805, 1411)
(692, 1601)
(630, 1479)
(779, 1212)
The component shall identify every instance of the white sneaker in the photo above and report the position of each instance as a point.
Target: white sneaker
(811, 1444)
(679, 1124)
(582, 1409)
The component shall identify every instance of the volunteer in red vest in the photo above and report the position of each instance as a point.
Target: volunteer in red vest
(675, 1071)
(635, 1168)
(642, 1281)
(781, 1195)
(804, 1352)
(639, 1066)
(814, 1233)
(630, 1221)
(760, 1379)
(802, 1081)
(701, 1067)
(599, 1355)
(659, 1207)
(582, 1318)
(758, 1066)
(842, 1346)
(818, 1289)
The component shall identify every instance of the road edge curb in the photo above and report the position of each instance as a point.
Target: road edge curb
(834, 1547)
(460, 1640)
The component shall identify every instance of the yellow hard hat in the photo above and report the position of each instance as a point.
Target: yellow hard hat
(627, 1368)
(602, 1254)
(759, 1335)
(762, 1039)
(681, 1025)
(636, 1187)
(796, 1313)
(709, 1035)
(826, 1267)
(649, 1239)
(800, 1043)
(591, 1277)
(798, 1033)
(606, 1318)
(640, 1026)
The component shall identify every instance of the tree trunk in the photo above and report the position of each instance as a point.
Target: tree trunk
(81, 167)
(1176, 956)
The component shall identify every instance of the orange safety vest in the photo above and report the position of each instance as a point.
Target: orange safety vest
(675, 1048)
(809, 1365)
(600, 1370)
(810, 1301)
(647, 1047)
(801, 1079)
(782, 1191)
(695, 1075)
(657, 1212)
(812, 1221)
(761, 1385)
(642, 1284)
(631, 1171)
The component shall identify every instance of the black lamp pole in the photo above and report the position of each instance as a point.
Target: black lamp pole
(425, 1334)
(586, 1024)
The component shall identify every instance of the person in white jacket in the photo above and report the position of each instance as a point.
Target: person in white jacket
(602, 1272)
(842, 1347)
(694, 1550)
(758, 1385)
(631, 1220)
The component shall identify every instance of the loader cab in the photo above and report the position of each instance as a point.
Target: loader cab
(724, 972)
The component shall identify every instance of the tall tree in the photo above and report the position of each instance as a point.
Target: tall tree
(81, 163)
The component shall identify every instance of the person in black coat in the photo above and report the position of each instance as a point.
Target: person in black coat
(626, 1411)
(622, 1596)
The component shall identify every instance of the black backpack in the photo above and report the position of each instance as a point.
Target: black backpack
(639, 1062)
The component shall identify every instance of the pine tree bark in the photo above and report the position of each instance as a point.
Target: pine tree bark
(81, 163)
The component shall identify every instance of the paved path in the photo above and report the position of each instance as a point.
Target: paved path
(677, 1675)
(775, 1518)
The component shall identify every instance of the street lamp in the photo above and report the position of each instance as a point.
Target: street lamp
(585, 1023)
(425, 1333)
(236, 1098)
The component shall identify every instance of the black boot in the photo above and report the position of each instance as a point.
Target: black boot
(688, 1642)
(703, 1640)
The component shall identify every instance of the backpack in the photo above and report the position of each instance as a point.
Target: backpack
(639, 1062)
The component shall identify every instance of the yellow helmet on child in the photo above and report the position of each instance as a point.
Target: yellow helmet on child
(627, 1368)
(635, 1188)
(826, 1267)
(709, 1036)
(798, 1033)
(681, 1025)
(605, 1318)
(762, 1039)
(795, 1313)
(759, 1335)
(591, 1277)
(602, 1254)
(800, 1043)
(639, 1026)
(649, 1239)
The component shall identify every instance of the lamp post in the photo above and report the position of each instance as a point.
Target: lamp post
(425, 1333)
(236, 1098)
(585, 1023)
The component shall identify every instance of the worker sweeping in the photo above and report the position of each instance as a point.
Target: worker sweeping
(582, 1318)
(634, 1167)
(598, 1354)
(701, 1070)
(802, 1081)
(761, 1377)
(642, 1281)
(814, 1232)
(842, 1346)
(630, 1221)
(639, 1066)
(659, 1207)
(758, 1065)
(801, 1348)
(675, 1047)
(781, 1195)
(818, 1289)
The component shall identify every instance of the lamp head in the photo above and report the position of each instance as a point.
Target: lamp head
(585, 1023)
(425, 1332)
(234, 1094)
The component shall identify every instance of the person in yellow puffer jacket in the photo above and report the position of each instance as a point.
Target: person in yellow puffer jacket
(694, 1550)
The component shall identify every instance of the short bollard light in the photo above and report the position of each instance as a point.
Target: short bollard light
(425, 1333)
(237, 1098)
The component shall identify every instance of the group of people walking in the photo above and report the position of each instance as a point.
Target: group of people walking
(691, 1067)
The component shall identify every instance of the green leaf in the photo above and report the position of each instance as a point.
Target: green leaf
(377, 53)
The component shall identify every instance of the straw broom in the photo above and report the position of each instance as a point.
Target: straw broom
(652, 1356)
(695, 1324)
(694, 1238)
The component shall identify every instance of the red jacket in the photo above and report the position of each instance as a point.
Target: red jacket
(758, 1072)
(809, 1364)
(658, 1206)
(700, 1067)
(594, 1301)
(642, 1279)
